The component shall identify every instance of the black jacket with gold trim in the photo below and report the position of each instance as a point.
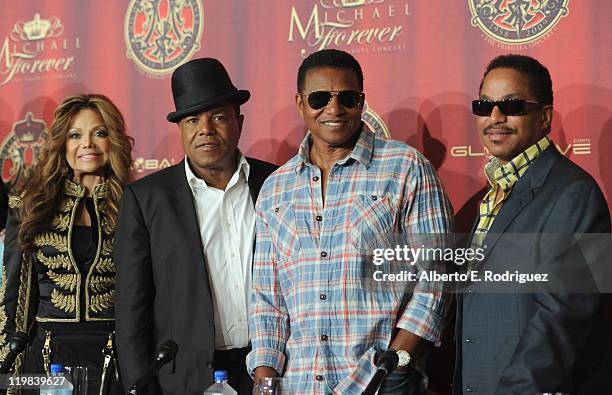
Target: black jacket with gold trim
(46, 285)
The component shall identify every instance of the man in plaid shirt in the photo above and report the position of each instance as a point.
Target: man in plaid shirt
(320, 320)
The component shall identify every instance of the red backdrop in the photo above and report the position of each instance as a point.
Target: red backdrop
(422, 60)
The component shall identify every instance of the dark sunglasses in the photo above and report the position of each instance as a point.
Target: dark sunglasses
(510, 107)
(319, 99)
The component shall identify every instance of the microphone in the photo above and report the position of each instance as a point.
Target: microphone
(386, 364)
(17, 344)
(166, 353)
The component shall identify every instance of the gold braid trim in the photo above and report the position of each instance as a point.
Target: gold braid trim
(62, 301)
(24, 295)
(67, 205)
(64, 281)
(100, 190)
(105, 265)
(103, 301)
(101, 283)
(106, 227)
(14, 201)
(18, 363)
(54, 262)
(52, 239)
(23, 301)
(107, 247)
(61, 222)
(5, 347)
(73, 189)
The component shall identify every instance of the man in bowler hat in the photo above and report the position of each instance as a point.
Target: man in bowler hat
(184, 244)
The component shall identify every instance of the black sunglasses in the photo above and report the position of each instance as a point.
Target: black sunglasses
(510, 107)
(319, 99)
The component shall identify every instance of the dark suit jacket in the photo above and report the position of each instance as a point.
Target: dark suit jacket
(513, 342)
(3, 205)
(162, 290)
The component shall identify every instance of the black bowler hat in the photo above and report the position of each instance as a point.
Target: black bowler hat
(199, 84)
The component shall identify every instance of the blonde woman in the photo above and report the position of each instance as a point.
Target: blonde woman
(59, 277)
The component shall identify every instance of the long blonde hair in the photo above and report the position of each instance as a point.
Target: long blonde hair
(44, 189)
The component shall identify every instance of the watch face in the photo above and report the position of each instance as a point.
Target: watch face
(404, 358)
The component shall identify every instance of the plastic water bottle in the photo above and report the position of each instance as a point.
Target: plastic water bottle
(220, 387)
(57, 370)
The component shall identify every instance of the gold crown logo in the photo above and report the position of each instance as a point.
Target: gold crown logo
(37, 28)
(27, 137)
(29, 129)
(352, 3)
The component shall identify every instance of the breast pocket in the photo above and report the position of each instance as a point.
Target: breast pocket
(373, 223)
(284, 231)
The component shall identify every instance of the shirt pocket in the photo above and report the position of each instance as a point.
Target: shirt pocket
(373, 223)
(283, 231)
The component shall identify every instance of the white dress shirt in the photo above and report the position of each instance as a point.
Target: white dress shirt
(227, 228)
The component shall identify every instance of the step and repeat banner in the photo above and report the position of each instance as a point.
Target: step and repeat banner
(422, 60)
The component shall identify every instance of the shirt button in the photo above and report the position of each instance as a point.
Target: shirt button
(319, 218)
(324, 338)
(468, 340)
(276, 210)
(374, 197)
(318, 377)
(322, 296)
(323, 254)
(315, 178)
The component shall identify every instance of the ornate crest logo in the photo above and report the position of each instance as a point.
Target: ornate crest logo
(517, 21)
(19, 151)
(37, 29)
(161, 34)
(374, 122)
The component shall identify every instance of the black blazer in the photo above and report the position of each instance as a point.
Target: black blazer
(162, 290)
(3, 205)
(513, 342)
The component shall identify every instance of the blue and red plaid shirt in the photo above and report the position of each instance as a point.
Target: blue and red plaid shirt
(319, 319)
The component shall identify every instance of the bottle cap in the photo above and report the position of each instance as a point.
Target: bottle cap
(56, 368)
(220, 375)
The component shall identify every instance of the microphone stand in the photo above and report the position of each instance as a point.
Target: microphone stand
(386, 364)
(17, 344)
(166, 353)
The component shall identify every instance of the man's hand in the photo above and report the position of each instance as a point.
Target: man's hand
(263, 371)
(408, 341)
